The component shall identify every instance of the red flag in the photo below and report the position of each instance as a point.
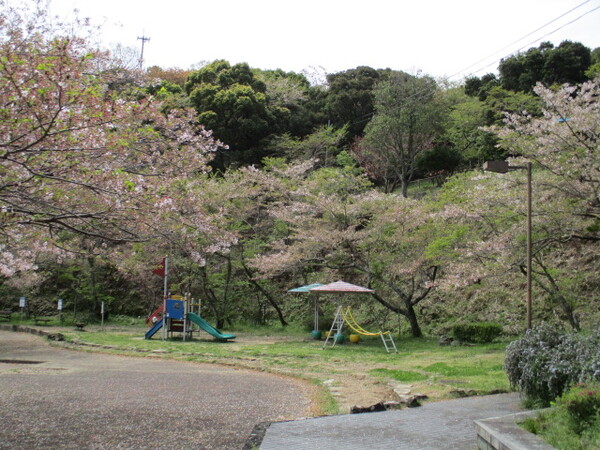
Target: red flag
(160, 269)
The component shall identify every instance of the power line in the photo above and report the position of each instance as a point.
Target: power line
(534, 41)
(520, 39)
(368, 116)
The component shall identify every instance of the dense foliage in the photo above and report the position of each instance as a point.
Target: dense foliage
(105, 170)
(482, 332)
(566, 63)
(573, 422)
(547, 361)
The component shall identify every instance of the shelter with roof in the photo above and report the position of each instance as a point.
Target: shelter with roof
(343, 315)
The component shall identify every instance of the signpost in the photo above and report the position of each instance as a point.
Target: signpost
(60, 307)
(22, 305)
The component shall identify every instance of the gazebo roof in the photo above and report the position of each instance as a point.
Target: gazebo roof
(342, 287)
(306, 288)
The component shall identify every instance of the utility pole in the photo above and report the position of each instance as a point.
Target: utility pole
(144, 39)
(504, 167)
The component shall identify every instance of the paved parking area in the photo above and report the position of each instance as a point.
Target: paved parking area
(61, 399)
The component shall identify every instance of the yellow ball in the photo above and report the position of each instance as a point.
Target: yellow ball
(354, 338)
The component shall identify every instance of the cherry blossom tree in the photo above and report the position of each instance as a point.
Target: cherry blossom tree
(563, 145)
(336, 224)
(79, 159)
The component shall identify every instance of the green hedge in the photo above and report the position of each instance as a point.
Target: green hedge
(481, 333)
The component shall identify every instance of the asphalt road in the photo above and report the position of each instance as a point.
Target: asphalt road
(57, 398)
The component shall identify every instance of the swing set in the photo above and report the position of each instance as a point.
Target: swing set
(345, 316)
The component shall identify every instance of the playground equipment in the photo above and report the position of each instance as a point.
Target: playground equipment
(315, 333)
(174, 316)
(345, 317)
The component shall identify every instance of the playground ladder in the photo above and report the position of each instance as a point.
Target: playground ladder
(337, 325)
(385, 337)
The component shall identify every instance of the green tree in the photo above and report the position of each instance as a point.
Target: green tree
(566, 63)
(323, 145)
(408, 117)
(296, 105)
(479, 87)
(231, 102)
(594, 70)
(500, 102)
(350, 97)
(463, 129)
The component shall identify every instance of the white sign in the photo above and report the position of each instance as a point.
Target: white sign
(22, 302)
(102, 309)
(60, 304)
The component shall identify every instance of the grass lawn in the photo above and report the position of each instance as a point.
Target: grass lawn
(355, 374)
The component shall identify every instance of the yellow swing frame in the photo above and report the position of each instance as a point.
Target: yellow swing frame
(348, 318)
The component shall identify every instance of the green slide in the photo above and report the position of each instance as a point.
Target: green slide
(209, 328)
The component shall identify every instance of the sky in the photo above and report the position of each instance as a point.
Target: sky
(441, 38)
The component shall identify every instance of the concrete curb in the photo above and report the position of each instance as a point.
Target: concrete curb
(23, 329)
(503, 433)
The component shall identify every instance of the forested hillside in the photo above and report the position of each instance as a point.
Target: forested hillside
(256, 181)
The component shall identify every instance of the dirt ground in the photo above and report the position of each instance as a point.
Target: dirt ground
(52, 397)
(349, 385)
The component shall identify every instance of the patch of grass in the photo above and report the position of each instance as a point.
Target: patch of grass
(399, 375)
(483, 373)
(420, 362)
(271, 330)
(554, 427)
(326, 402)
(573, 423)
(451, 370)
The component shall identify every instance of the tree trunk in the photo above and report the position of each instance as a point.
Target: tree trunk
(414, 323)
(409, 313)
(404, 185)
(268, 296)
(92, 266)
(211, 298)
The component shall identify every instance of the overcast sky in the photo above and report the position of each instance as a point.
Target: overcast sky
(435, 37)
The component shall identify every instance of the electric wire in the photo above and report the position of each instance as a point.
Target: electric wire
(531, 43)
(520, 39)
(368, 116)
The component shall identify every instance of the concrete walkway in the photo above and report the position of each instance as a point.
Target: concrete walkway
(440, 425)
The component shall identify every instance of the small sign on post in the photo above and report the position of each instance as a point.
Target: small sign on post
(60, 307)
(22, 305)
(102, 315)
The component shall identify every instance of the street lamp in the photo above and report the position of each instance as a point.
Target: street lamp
(504, 167)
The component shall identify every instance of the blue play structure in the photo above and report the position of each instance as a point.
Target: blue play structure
(178, 319)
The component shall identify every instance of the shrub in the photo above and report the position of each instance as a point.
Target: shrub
(547, 361)
(482, 332)
(574, 422)
(582, 403)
